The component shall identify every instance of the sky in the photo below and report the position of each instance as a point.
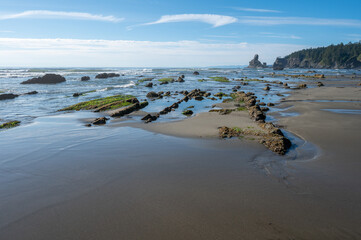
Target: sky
(165, 33)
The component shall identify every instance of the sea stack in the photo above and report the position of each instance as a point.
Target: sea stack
(256, 63)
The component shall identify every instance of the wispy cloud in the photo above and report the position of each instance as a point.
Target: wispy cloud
(269, 21)
(59, 14)
(257, 10)
(113, 53)
(215, 20)
(275, 35)
(6, 31)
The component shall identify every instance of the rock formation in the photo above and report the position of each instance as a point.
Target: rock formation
(46, 79)
(255, 63)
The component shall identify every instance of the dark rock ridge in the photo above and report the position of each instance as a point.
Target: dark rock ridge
(46, 79)
(332, 57)
(255, 63)
(85, 78)
(107, 75)
(8, 96)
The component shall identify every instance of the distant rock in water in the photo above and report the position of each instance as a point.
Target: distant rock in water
(195, 73)
(31, 93)
(341, 56)
(46, 79)
(107, 75)
(85, 78)
(8, 96)
(256, 63)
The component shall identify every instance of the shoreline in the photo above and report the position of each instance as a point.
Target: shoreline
(124, 182)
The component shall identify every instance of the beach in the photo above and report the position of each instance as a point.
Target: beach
(176, 179)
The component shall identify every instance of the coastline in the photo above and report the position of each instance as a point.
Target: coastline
(189, 187)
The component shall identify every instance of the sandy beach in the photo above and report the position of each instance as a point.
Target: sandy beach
(182, 182)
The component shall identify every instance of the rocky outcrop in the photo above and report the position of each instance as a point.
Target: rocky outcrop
(8, 96)
(255, 63)
(107, 75)
(279, 64)
(46, 79)
(85, 78)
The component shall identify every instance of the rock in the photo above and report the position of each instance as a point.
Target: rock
(149, 118)
(195, 73)
(162, 83)
(285, 84)
(255, 63)
(302, 85)
(149, 85)
(278, 144)
(125, 110)
(165, 110)
(99, 121)
(264, 109)
(199, 98)
(31, 93)
(167, 94)
(270, 104)
(320, 84)
(187, 112)
(267, 88)
(107, 75)
(8, 96)
(76, 94)
(46, 79)
(279, 64)
(152, 95)
(10, 124)
(85, 78)
(262, 104)
(180, 79)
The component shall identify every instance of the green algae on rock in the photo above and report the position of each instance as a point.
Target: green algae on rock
(10, 124)
(102, 104)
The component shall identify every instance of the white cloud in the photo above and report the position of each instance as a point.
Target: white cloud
(269, 21)
(257, 10)
(62, 15)
(215, 20)
(20, 52)
(274, 35)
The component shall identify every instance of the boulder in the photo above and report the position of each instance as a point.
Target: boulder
(107, 75)
(85, 78)
(99, 121)
(149, 85)
(195, 73)
(46, 79)
(180, 79)
(152, 95)
(187, 112)
(8, 96)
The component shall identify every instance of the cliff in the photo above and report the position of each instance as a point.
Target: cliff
(339, 56)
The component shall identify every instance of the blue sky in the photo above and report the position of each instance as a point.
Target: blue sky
(135, 33)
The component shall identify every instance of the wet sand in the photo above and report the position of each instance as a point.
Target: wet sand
(127, 183)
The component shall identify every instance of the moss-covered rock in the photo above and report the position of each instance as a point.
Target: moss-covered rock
(104, 104)
(10, 124)
(220, 79)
